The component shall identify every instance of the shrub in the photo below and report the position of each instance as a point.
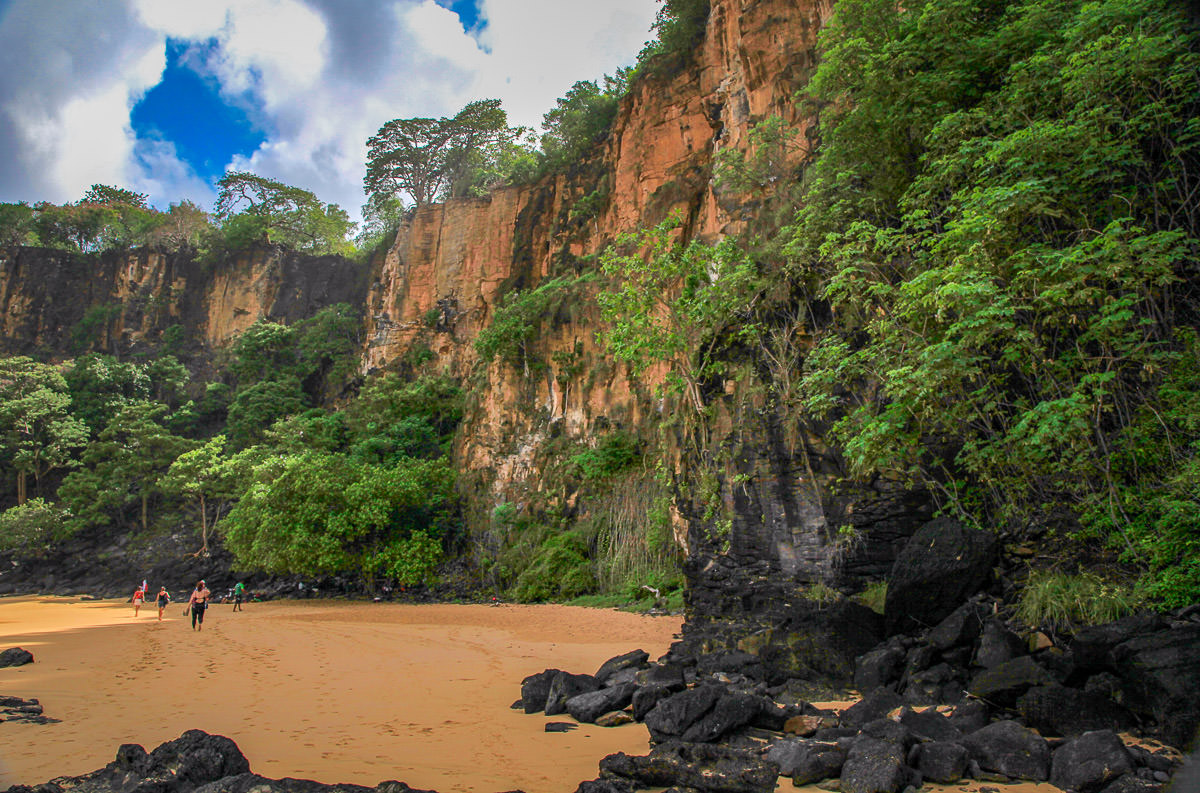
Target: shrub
(1062, 601)
(31, 528)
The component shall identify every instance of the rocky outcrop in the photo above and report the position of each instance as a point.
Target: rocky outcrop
(195, 761)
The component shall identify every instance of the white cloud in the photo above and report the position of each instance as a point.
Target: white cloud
(318, 76)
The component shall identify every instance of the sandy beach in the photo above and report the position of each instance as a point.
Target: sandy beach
(324, 690)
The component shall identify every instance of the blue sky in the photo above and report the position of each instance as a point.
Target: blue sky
(163, 96)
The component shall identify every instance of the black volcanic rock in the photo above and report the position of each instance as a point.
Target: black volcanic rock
(15, 656)
(941, 566)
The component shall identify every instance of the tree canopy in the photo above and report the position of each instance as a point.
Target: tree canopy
(252, 207)
(428, 159)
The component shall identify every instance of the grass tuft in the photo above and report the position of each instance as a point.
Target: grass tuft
(1060, 601)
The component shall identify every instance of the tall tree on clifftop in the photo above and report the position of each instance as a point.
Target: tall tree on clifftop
(429, 159)
(252, 207)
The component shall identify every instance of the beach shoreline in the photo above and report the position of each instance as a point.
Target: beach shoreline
(330, 690)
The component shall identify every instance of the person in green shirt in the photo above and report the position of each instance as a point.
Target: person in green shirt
(239, 591)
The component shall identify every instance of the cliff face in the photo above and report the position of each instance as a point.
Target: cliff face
(55, 303)
(790, 520)
(444, 278)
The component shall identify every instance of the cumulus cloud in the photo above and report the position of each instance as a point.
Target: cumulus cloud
(70, 72)
(317, 76)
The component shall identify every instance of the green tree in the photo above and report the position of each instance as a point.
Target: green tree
(210, 479)
(121, 468)
(37, 432)
(100, 386)
(31, 528)
(677, 304)
(252, 208)
(17, 224)
(428, 159)
(257, 407)
(316, 513)
(580, 119)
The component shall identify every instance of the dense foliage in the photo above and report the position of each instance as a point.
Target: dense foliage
(1002, 218)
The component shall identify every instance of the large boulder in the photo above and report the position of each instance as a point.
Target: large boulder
(1004, 684)
(929, 725)
(733, 710)
(1057, 710)
(15, 656)
(941, 761)
(564, 686)
(704, 767)
(816, 642)
(807, 761)
(875, 766)
(959, 629)
(588, 707)
(1006, 747)
(1090, 762)
(1160, 675)
(635, 659)
(874, 705)
(535, 689)
(672, 716)
(882, 666)
(942, 565)
(998, 645)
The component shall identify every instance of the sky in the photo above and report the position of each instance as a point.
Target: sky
(164, 96)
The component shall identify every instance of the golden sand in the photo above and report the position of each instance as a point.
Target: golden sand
(324, 690)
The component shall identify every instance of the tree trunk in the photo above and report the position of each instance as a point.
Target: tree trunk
(22, 495)
(143, 511)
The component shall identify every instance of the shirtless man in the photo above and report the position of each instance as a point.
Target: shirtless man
(197, 604)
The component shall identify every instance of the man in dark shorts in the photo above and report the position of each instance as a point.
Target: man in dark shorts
(239, 592)
(197, 604)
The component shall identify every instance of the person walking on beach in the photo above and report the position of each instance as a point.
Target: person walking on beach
(239, 591)
(139, 596)
(163, 599)
(197, 604)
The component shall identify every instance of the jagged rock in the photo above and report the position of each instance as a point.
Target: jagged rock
(253, 783)
(940, 761)
(646, 697)
(668, 675)
(889, 730)
(635, 659)
(874, 766)
(1132, 783)
(942, 565)
(879, 667)
(1160, 675)
(592, 705)
(704, 767)
(1092, 647)
(559, 726)
(733, 710)
(1090, 762)
(15, 656)
(998, 645)
(672, 716)
(874, 705)
(929, 725)
(970, 716)
(564, 686)
(535, 689)
(807, 761)
(615, 719)
(1006, 747)
(1057, 710)
(962, 627)
(937, 685)
(1003, 684)
(736, 662)
(606, 785)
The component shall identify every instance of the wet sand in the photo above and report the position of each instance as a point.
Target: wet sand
(324, 690)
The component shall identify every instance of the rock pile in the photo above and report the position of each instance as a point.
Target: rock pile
(714, 729)
(196, 762)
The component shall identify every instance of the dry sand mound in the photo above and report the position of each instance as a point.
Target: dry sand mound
(324, 690)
